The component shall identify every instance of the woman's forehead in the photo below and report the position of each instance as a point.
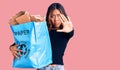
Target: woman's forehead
(56, 11)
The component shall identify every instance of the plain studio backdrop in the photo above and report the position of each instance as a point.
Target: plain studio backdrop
(96, 42)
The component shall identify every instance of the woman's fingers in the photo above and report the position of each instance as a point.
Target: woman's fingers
(15, 51)
(64, 18)
(15, 56)
(69, 19)
(61, 19)
(18, 50)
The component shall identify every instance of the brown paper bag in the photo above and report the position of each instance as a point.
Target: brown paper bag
(23, 17)
(12, 21)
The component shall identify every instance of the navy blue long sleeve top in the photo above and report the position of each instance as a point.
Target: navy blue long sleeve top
(59, 42)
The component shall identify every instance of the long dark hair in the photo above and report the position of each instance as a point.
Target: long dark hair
(52, 7)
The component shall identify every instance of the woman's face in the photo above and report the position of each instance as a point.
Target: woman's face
(55, 18)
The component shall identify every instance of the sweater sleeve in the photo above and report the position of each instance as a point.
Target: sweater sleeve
(12, 44)
(70, 34)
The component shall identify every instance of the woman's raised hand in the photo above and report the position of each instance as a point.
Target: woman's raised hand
(67, 24)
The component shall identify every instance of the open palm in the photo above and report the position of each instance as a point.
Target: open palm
(67, 24)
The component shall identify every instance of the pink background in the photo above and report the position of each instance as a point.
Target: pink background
(96, 43)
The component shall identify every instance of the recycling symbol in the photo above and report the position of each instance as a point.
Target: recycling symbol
(25, 50)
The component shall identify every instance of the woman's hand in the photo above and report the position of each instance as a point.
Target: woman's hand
(15, 51)
(67, 24)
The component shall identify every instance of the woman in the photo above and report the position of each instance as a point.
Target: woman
(60, 31)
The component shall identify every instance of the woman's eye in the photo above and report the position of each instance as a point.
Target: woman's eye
(52, 16)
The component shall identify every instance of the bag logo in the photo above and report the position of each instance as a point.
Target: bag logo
(25, 51)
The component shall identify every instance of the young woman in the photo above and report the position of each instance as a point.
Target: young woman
(60, 31)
